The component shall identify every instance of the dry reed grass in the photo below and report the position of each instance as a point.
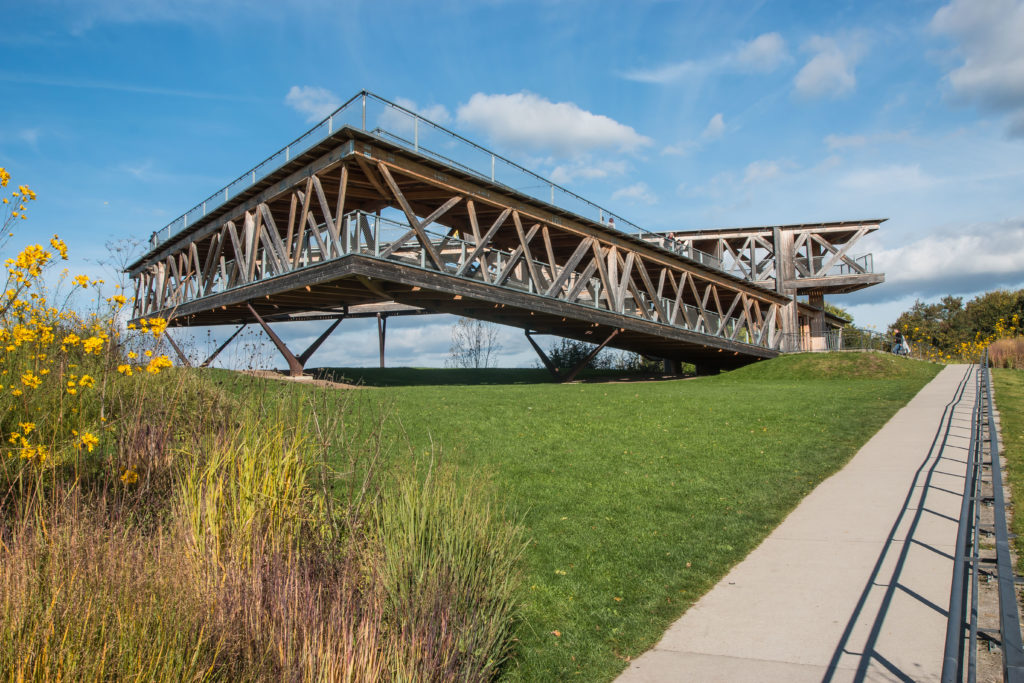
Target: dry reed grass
(1007, 353)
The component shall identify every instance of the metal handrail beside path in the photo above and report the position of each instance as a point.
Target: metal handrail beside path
(962, 628)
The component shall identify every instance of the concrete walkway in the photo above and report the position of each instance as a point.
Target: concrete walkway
(854, 584)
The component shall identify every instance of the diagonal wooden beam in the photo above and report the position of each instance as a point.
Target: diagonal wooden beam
(397, 244)
(371, 176)
(552, 266)
(290, 236)
(602, 273)
(410, 215)
(583, 280)
(339, 208)
(267, 219)
(569, 266)
(641, 268)
(538, 284)
(840, 254)
(300, 237)
(332, 226)
(514, 258)
(625, 279)
(483, 243)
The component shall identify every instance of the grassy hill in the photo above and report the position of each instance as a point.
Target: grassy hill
(638, 496)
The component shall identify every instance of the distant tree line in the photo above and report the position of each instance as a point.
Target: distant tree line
(951, 322)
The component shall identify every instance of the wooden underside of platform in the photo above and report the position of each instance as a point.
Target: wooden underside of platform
(336, 287)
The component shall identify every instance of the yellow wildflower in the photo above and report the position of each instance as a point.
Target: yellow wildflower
(87, 441)
(129, 477)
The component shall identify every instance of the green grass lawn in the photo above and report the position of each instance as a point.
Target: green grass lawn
(1009, 388)
(639, 496)
(411, 377)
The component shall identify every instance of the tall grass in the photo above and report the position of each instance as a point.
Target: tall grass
(448, 572)
(238, 554)
(1007, 353)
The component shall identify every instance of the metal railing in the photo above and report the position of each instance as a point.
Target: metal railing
(379, 237)
(962, 627)
(865, 263)
(396, 124)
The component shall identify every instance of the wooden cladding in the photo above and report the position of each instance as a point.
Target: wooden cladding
(463, 232)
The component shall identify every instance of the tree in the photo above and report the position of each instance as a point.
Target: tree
(474, 344)
(568, 353)
(839, 312)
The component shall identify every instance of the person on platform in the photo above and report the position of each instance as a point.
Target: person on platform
(899, 344)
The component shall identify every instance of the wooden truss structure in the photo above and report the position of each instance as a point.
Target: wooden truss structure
(788, 258)
(357, 222)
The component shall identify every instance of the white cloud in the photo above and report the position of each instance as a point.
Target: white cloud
(587, 169)
(970, 259)
(527, 121)
(988, 36)
(316, 103)
(713, 131)
(668, 73)
(437, 113)
(829, 72)
(637, 193)
(401, 122)
(761, 171)
(715, 128)
(892, 178)
(681, 149)
(763, 54)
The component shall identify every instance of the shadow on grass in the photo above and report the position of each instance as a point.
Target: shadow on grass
(416, 377)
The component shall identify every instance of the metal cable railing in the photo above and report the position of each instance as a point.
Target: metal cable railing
(962, 628)
(396, 124)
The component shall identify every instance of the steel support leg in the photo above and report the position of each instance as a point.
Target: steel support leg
(212, 356)
(382, 333)
(590, 356)
(543, 357)
(177, 350)
(294, 366)
(304, 356)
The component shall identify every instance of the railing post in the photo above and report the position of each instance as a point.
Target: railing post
(330, 124)
(364, 110)
(416, 133)
(492, 168)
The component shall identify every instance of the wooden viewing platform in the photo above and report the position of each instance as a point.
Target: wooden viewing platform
(364, 222)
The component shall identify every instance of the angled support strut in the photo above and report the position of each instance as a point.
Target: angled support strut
(575, 370)
(212, 356)
(295, 364)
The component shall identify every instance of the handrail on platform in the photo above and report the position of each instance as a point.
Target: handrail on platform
(962, 628)
(389, 122)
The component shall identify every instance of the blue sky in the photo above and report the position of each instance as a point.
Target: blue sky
(122, 114)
